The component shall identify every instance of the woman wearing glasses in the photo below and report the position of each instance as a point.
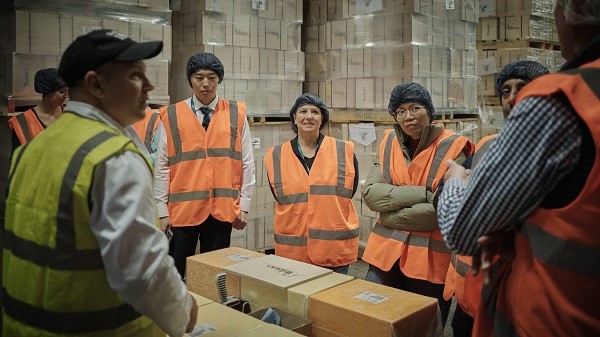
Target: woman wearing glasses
(405, 249)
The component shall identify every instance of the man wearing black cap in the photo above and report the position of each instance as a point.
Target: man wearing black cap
(82, 250)
(33, 121)
(204, 165)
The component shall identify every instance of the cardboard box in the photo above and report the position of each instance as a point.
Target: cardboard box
(269, 330)
(297, 302)
(221, 321)
(201, 270)
(265, 280)
(370, 309)
(289, 321)
(201, 300)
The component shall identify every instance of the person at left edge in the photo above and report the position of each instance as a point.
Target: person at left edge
(313, 179)
(204, 176)
(30, 123)
(82, 252)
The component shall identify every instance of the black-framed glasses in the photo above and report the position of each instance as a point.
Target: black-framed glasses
(414, 110)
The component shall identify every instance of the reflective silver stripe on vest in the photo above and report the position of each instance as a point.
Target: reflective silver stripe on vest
(289, 240)
(440, 154)
(149, 132)
(387, 158)
(461, 268)
(24, 126)
(480, 153)
(204, 195)
(280, 197)
(411, 239)
(65, 256)
(180, 156)
(334, 235)
(338, 190)
(562, 253)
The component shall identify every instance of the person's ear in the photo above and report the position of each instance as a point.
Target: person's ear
(93, 83)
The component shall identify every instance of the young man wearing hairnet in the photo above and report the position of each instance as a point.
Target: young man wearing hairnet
(204, 169)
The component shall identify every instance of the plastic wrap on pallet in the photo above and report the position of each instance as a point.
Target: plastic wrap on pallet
(282, 10)
(543, 8)
(144, 11)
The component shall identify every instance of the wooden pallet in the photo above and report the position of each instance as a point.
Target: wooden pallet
(504, 44)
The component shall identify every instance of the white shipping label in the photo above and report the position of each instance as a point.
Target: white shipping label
(368, 6)
(256, 143)
(261, 5)
(486, 66)
(202, 329)
(371, 297)
(239, 257)
(363, 133)
(449, 4)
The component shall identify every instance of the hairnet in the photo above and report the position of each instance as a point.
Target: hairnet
(205, 61)
(526, 70)
(47, 81)
(305, 99)
(581, 12)
(411, 92)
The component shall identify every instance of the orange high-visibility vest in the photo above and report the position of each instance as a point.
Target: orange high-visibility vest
(205, 165)
(26, 126)
(146, 127)
(459, 281)
(423, 255)
(552, 287)
(315, 219)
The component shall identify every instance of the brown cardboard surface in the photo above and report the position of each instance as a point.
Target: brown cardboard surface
(289, 321)
(269, 330)
(297, 302)
(277, 271)
(318, 331)
(221, 321)
(201, 300)
(370, 309)
(202, 268)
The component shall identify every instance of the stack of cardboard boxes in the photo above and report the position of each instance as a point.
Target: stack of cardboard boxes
(34, 33)
(512, 30)
(258, 43)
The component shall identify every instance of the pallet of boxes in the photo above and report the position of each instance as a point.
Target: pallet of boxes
(509, 31)
(302, 298)
(357, 52)
(258, 43)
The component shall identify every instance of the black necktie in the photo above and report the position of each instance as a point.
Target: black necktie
(206, 119)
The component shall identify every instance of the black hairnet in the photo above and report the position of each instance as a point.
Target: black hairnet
(205, 61)
(411, 92)
(526, 70)
(305, 99)
(47, 81)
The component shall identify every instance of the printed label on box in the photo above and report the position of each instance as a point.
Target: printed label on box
(202, 329)
(261, 5)
(487, 66)
(239, 257)
(449, 4)
(256, 143)
(371, 297)
(368, 6)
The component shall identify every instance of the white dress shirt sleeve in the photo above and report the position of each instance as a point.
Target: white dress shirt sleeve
(162, 173)
(133, 249)
(248, 169)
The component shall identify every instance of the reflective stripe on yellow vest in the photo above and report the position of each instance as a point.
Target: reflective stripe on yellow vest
(205, 165)
(53, 275)
(315, 219)
(429, 255)
(552, 287)
(26, 126)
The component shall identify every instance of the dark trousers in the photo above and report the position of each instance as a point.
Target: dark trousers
(212, 233)
(396, 279)
(462, 323)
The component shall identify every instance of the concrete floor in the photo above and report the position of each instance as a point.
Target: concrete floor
(359, 270)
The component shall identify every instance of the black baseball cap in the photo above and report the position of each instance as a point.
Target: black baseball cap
(90, 51)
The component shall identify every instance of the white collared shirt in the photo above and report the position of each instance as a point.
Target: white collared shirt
(162, 170)
(134, 251)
